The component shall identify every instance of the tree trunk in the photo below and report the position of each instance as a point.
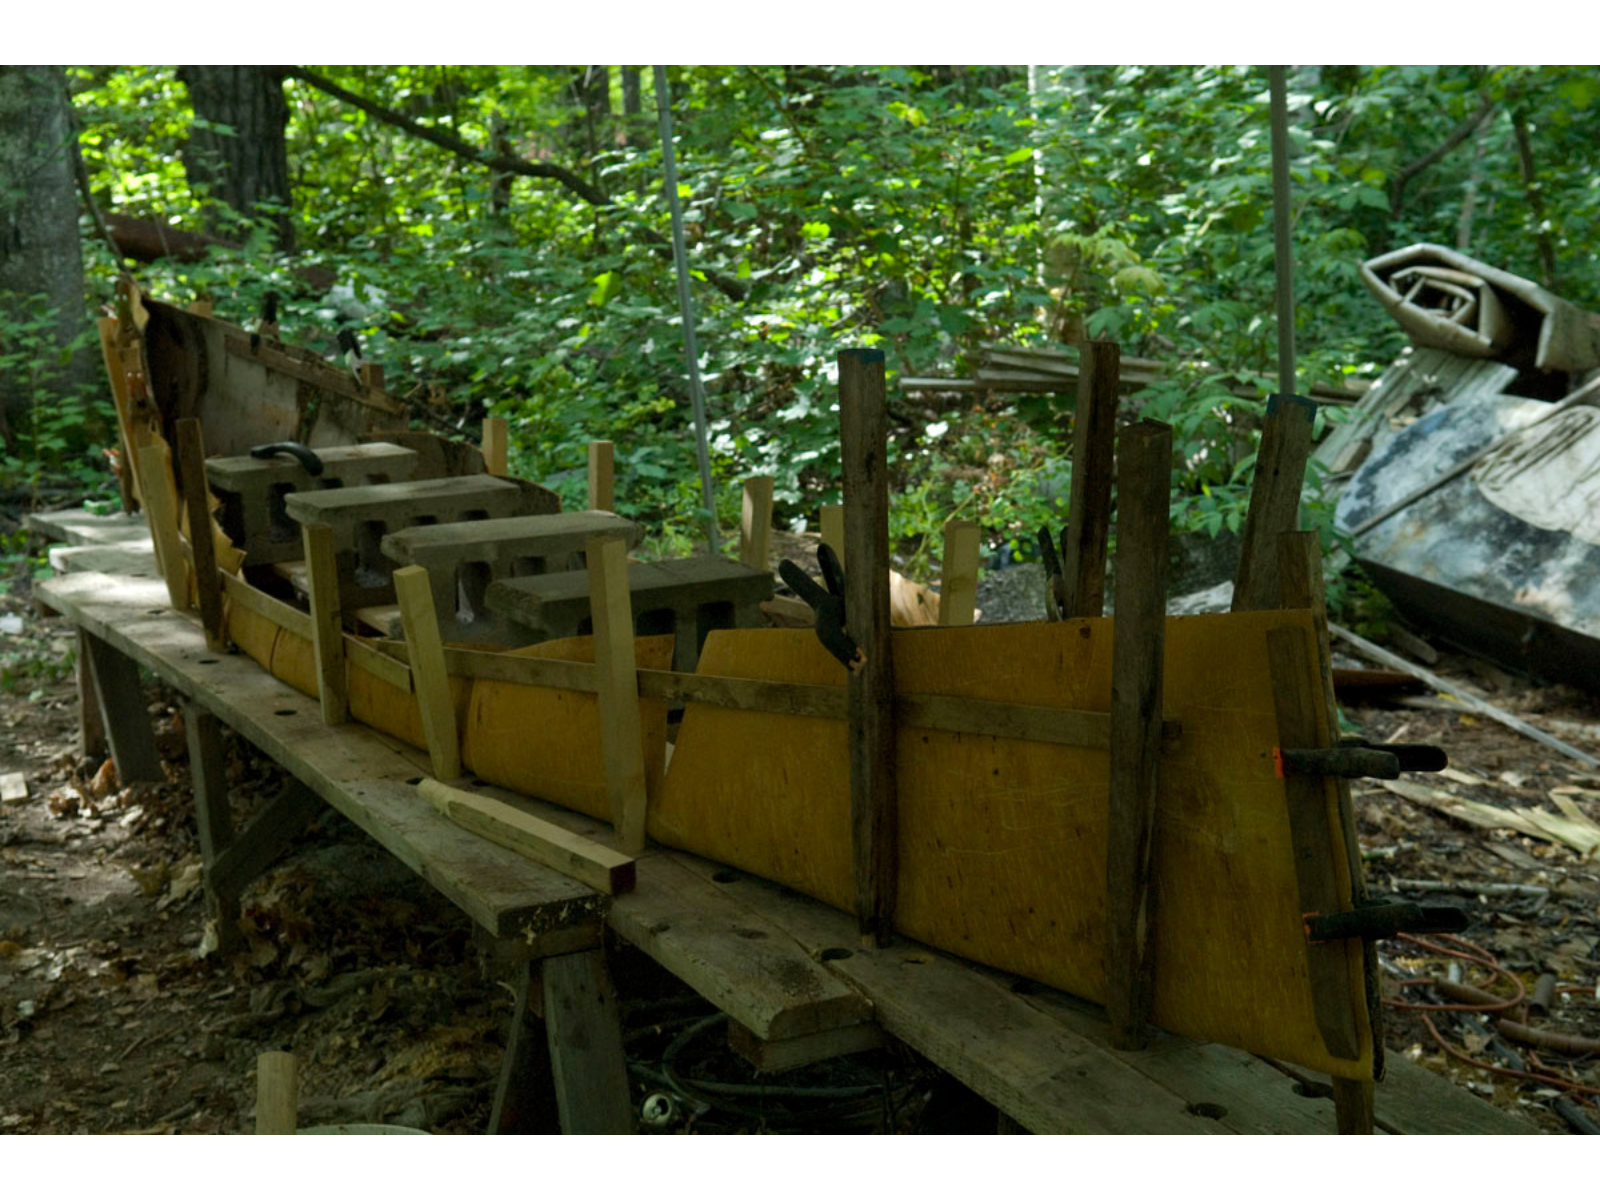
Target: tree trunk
(1530, 183)
(39, 248)
(635, 129)
(249, 166)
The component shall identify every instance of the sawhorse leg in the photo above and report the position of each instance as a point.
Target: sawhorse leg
(231, 860)
(570, 1074)
(91, 729)
(115, 680)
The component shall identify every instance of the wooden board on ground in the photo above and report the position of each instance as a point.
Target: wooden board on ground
(1002, 850)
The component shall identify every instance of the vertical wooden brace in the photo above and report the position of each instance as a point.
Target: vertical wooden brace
(429, 678)
(602, 487)
(863, 429)
(202, 549)
(327, 627)
(1083, 554)
(496, 448)
(958, 576)
(1274, 500)
(755, 523)
(161, 514)
(1138, 644)
(621, 731)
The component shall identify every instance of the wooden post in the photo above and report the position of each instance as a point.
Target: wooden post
(429, 678)
(1083, 556)
(833, 529)
(1138, 644)
(277, 1092)
(863, 438)
(495, 447)
(201, 306)
(120, 698)
(327, 628)
(213, 822)
(371, 375)
(621, 734)
(1300, 583)
(755, 525)
(584, 1034)
(958, 573)
(91, 730)
(602, 487)
(203, 551)
(161, 514)
(1274, 500)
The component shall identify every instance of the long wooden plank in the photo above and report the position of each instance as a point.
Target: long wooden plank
(621, 731)
(1083, 566)
(394, 672)
(1144, 468)
(363, 774)
(863, 437)
(1274, 500)
(543, 842)
(327, 630)
(429, 679)
(1027, 1064)
(1413, 1100)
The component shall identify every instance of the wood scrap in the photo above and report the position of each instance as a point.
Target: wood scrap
(577, 857)
(1457, 692)
(1570, 827)
(13, 787)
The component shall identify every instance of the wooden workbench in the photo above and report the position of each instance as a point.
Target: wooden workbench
(789, 972)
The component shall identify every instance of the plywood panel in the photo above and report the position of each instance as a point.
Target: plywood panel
(1002, 843)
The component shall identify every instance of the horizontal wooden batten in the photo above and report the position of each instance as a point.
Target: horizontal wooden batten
(391, 670)
(388, 659)
(284, 616)
(319, 374)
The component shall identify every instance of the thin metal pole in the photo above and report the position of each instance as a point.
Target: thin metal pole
(1282, 251)
(669, 170)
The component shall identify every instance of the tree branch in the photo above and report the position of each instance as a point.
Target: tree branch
(1453, 139)
(507, 163)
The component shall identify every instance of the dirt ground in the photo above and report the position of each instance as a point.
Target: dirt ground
(116, 1015)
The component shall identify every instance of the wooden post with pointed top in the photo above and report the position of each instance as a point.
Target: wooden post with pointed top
(863, 438)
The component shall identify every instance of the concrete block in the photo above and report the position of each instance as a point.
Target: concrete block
(361, 516)
(688, 597)
(463, 560)
(254, 492)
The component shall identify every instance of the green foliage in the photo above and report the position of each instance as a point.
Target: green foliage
(924, 210)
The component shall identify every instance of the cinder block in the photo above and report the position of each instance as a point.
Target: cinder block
(254, 492)
(361, 516)
(688, 597)
(463, 560)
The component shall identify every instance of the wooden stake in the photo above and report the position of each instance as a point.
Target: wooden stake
(203, 551)
(602, 496)
(1301, 586)
(495, 446)
(432, 684)
(1138, 644)
(277, 1092)
(161, 514)
(958, 577)
(863, 437)
(1083, 563)
(371, 376)
(327, 629)
(833, 528)
(621, 733)
(575, 856)
(755, 525)
(1274, 500)
(107, 327)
